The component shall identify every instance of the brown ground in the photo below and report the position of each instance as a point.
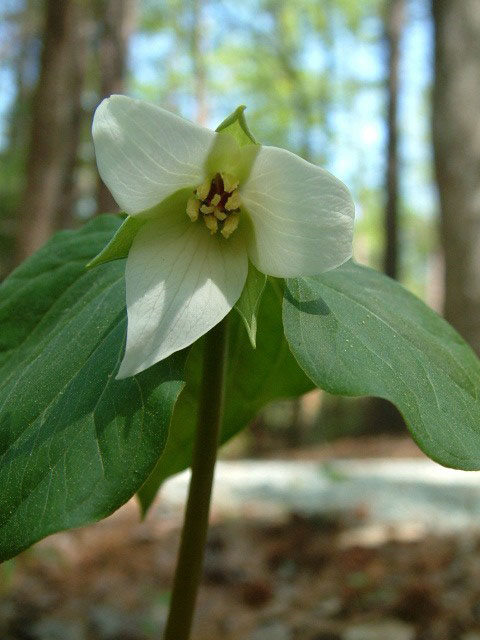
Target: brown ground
(305, 578)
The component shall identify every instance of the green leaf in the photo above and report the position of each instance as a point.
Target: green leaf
(75, 443)
(254, 378)
(356, 332)
(236, 125)
(248, 303)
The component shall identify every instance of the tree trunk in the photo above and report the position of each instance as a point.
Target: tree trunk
(117, 19)
(381, 415)
(19, 115)
(456, 140)
(51, 118)
(393, 31)
(79, 61)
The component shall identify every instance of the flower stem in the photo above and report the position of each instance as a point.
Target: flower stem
(194, 534)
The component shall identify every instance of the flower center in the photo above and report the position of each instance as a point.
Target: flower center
(217, 202)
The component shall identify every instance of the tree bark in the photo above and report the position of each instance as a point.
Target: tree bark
(382, 416)
(393, 31)
(79, 62)
(456, 141)
(19, 115)
(117, 19)
(51, 118)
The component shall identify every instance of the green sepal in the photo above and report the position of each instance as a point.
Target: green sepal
(120, 244)
(236, 125)
(248, 303)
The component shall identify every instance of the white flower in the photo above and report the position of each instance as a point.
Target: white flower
(209, 205)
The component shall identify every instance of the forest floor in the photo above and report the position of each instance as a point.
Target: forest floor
(271, 576)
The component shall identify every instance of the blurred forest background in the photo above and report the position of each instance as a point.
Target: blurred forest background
(384, 93)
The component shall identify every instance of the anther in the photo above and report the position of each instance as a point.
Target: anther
(211, 223)
(230, 224)
(229, 182)
(233, 202)
(204, 189)
(193, 207)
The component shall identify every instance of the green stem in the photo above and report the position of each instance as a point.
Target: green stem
(195, 527)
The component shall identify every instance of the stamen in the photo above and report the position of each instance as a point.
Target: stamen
(211, 223)
(219, 214)
(219, 203)
(229, 182)
(193, 207)
(230, 224)
(233, 202)
(204, 189)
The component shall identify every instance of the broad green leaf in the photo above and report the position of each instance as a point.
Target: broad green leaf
(356, 332)
(236, 125)
(254, 378)
(248, 303)
(75, 443)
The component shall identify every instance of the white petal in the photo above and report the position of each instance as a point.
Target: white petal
(302, 216)
(181, 281)
(145, 153)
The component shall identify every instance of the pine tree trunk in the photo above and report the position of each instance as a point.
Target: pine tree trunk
(456, 139)
(50, 129)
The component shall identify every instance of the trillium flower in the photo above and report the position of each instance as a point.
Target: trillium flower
(205, 205)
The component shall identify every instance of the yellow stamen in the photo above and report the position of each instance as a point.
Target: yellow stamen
(211, 224)
(193, 207)
(204, 189)
(233, 202)
(219, 214)
(230, 224)
(218, 202)
(229, 182)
